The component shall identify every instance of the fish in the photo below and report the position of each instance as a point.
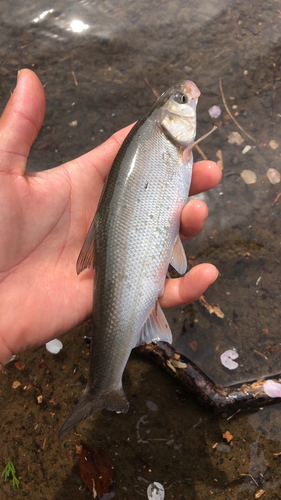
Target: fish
(132, 240)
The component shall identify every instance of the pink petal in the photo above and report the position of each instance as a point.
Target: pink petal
(214, 111)
(272, 389)
(227, 358)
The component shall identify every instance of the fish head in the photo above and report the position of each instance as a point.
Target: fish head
(177, 113)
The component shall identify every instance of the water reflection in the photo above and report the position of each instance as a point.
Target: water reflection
(41, 16)
(78, 26)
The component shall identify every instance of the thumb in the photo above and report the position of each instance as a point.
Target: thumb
(20, 122)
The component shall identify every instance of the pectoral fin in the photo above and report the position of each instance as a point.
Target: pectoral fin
(156, 328)
(86, 257)
(188, 149)
(179, 261)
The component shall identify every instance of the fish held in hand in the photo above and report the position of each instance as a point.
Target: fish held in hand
(132, 240)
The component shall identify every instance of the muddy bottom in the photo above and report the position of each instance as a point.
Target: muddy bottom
(190, 459)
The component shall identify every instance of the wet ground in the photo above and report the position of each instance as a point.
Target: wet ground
(97, 81)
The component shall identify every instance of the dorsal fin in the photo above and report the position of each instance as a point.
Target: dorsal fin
(156, 328)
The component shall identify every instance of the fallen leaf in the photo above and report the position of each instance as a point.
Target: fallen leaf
(53, 401)
(211, 308)
(248, 176)
(259, 493)
(220, 158)
(273, 176)
(226, 435)
(96, 470)
(45, 147)
(246, 149)
(235, 138)
(193, 345)
(273, 144)
(178, 364)
(170, 365)
(173, 364)
(20, 365)
(16, 384)
(42, 363)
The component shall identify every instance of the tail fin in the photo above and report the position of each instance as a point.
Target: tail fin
(114, 400)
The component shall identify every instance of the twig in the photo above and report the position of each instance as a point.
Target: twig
(231, 416)
(250, 477)
(211, 308)
(153, 90)
(231, 115)
(274, 87)
(74, 78)
(260, 354)
(276, 199)
(221, 53)
(201, 152)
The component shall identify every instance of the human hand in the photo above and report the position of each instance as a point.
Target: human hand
(44, 219)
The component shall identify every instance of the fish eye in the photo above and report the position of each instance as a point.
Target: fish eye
(180, 98)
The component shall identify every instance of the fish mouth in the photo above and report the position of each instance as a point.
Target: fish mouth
(192, 90)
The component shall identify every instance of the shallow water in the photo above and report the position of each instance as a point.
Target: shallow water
(103, 78)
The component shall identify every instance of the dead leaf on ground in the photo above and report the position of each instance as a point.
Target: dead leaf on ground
(273, 144)
(45, 147)
(235, 138)
(178, 364)
(259, 493)
(173, 364)
(96, 470)
(16, 384)
(228, 436)
(194, 345)
(248, 176)
(20, 365)
(211, 308)
(220, 158)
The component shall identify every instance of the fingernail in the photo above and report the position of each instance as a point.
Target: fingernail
(214, 274)
(19, 72)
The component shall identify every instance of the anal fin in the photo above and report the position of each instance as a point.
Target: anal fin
(178, 260)
(156, 328)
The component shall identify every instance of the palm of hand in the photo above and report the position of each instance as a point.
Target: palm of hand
(44, 219)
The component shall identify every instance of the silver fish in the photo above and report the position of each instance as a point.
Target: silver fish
(131, 242)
